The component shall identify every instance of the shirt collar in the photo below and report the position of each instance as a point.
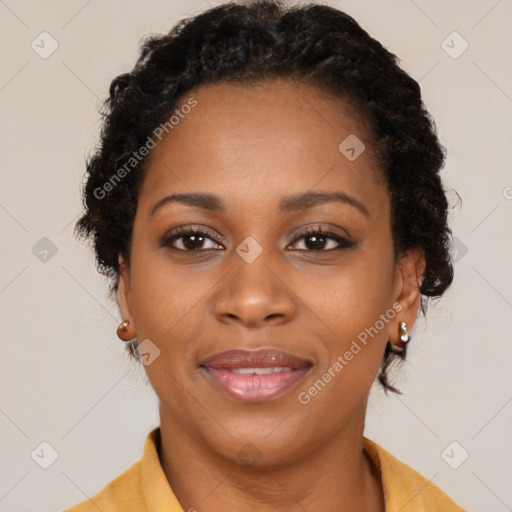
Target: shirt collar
(158, 494)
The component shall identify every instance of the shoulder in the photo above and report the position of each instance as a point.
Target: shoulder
(120, 494)
(404, 488)
(143, 487)
(127, 491)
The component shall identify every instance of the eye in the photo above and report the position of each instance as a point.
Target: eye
(317, 237)
(191, 238)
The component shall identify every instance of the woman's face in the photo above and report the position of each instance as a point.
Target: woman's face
(256, 280)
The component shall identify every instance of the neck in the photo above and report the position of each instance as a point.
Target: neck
(335, 476)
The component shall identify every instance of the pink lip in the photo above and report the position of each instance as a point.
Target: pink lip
(253, 387)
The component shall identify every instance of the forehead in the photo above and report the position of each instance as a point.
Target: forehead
(276, 135)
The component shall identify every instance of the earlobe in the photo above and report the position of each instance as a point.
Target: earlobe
(126, 330)
(411, 271)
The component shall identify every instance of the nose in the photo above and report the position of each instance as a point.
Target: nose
(256, 293)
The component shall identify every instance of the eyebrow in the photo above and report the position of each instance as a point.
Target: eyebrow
(288, 204)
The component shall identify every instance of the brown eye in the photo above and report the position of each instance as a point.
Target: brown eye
(316, 239)
(190, 238)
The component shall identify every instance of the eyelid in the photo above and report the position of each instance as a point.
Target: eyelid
(325, 229)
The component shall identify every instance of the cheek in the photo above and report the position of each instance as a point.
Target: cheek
(165, 297)
(169, 309)
(354, 295)
(357, 309)
(355, 302)
(171, 306)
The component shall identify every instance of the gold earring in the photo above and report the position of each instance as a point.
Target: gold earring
(122, 331)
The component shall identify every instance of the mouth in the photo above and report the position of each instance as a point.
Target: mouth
(255, 376)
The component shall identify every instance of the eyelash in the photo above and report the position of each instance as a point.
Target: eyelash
(315, 231)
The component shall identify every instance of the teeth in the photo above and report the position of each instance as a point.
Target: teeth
(261, 371)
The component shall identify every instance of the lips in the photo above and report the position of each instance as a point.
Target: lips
(255, 359)
(255, 376)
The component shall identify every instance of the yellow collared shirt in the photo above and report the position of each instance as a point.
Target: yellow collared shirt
(144, 487)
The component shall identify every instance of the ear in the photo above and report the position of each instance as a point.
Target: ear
(124, 299)
(409, 276)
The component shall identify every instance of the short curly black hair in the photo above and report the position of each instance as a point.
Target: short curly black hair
(260, 40)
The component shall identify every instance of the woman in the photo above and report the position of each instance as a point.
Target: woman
(266, 199)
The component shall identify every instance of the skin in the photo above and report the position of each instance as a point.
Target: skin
(252, 145)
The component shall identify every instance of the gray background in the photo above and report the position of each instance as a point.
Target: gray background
(65, 378)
